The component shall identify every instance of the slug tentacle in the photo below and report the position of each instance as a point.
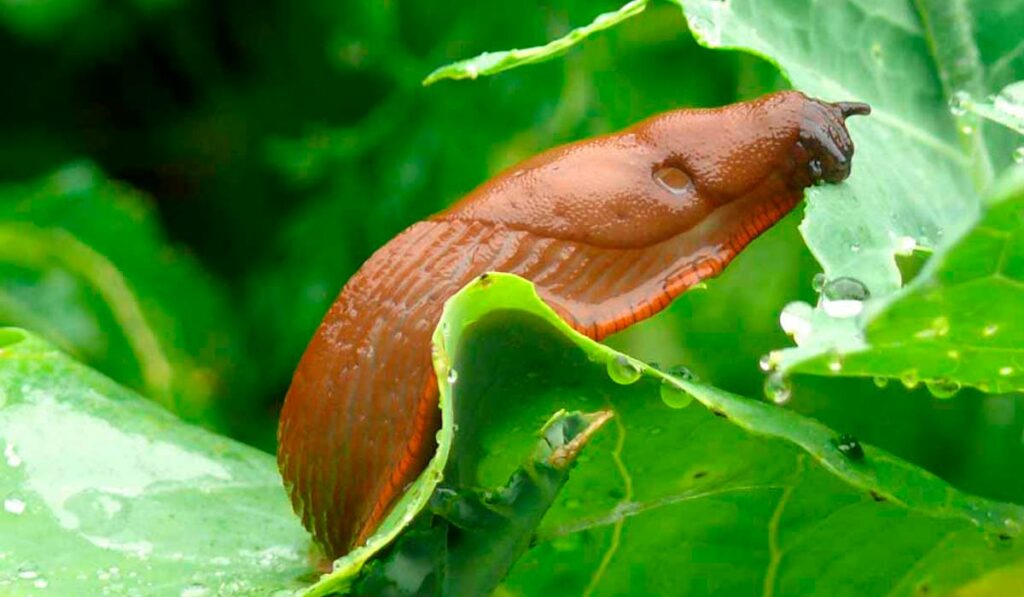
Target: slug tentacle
(609, 230)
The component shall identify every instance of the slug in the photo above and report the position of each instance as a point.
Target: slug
(609, 230)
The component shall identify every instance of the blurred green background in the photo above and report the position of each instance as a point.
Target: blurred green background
(187, 185)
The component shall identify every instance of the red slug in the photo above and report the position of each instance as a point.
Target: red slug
(609, 229)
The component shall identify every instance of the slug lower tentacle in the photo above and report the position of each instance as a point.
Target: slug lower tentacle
(609, 230)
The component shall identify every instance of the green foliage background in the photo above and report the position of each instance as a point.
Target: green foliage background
(185, 186)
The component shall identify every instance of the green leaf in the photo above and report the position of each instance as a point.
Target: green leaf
(917, 167)
(106, 492)
(490, 63)
(910, 176)
(733, 494)
(958, 323)
(465, 543)
(1005, 107)
(84, 264)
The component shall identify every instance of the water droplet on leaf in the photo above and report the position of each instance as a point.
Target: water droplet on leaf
(795, 320)
(11, 456)
(844, 297)
(195, 590)
(909, 379)
(453, 376)
(682, 372)
(622, 370)
(849, 446)
(881, 382)
(943, 388)
(14, 505)
(906, 245)
(818, 282)
(673, 396)
(958, 103)
(777, 388)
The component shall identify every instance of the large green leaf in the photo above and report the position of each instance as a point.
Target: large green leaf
(731, 494)
(84, 264)
(107, 493)
(958, 323)
(918, 168)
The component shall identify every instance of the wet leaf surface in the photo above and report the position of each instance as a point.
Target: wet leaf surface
(107, 493)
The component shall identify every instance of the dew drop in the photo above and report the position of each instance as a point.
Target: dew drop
(1011, 525)
(682, 372)
(943, 388)
(958, 103)
(967, 129)
(795, 320)
(28, 572)
(855, 247)
(818, 282)
(195, 590)
(453, 376)
(777, 388)
(990, 330)
(835, 364)
(11, 456)
(881, 382)
(623, 370)
(844, 297)
(1005, 371)
(673, 180)
(769, 362)
(1018, 155)
(849, 446)
(14, 505)
(906, 245)
(675, 397)
(939, 327)
(909, 379)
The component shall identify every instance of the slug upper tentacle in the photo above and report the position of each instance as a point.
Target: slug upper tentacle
(609, 230)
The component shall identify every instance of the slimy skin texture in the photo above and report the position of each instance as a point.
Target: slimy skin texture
(609, 229)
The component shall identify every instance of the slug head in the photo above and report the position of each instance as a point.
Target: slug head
(663, 176)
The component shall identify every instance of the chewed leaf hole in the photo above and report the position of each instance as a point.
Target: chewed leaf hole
(9, 337)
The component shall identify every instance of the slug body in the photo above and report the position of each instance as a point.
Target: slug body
(609, 230)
